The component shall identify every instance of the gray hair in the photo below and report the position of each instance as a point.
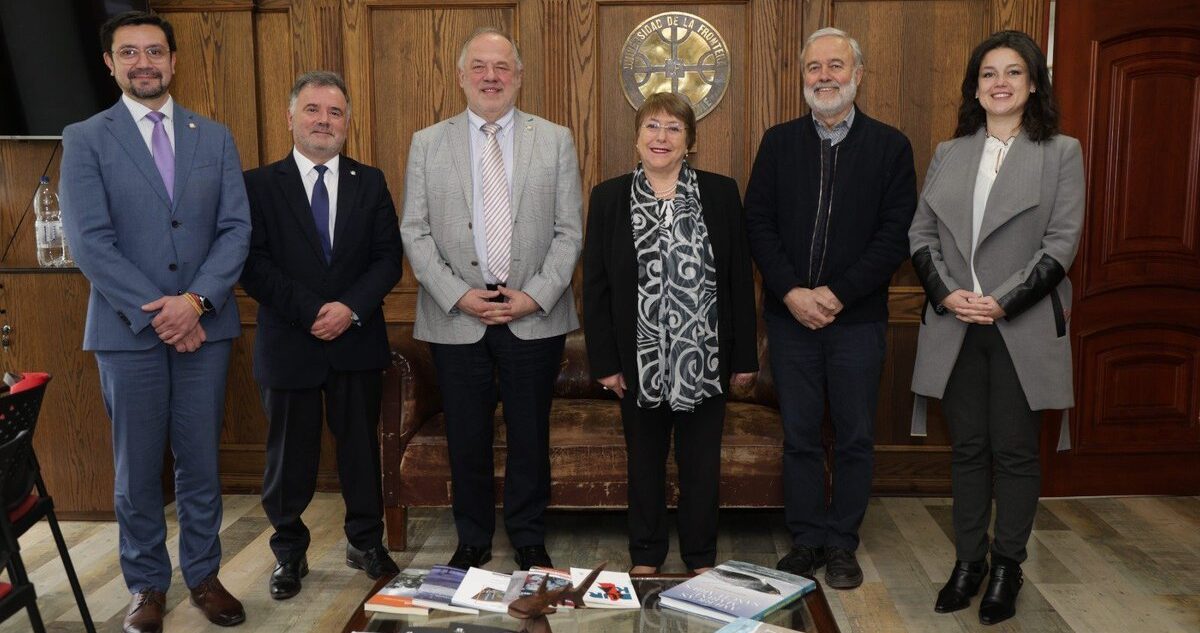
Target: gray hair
(829, 31)
(320, 79)
(487, 30)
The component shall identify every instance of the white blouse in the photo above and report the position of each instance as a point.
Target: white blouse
(994, 151)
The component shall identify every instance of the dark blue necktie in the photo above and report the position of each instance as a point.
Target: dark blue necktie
(320, 211)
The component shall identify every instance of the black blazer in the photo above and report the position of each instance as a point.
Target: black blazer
(287, 274)
(610, 284)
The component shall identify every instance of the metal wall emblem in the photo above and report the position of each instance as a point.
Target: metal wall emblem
(675, 52)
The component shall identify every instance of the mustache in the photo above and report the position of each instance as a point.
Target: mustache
(145, 72)
(827, 84)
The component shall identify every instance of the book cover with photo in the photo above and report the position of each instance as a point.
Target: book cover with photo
(611, 590)
(735, 590)
(527, 583)
(397, 596)
(482, 589)
(438, 590)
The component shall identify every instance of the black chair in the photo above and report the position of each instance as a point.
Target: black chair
(26, 499)
(17, 594)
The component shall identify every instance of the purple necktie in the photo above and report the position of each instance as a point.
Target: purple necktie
(164, 156)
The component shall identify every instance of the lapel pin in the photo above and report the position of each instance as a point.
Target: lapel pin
(353, 173)
(528, 128)
(192, 125)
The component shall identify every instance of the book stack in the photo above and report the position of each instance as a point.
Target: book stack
(735, 590)
(397, 596)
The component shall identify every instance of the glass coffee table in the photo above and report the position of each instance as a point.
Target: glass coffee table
(810, 613)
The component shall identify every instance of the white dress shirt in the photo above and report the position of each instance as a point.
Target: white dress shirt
(478, 142)
(146, 126)
(994, 151)
(308, 175)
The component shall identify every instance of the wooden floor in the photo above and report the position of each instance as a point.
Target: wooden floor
(1100, 564)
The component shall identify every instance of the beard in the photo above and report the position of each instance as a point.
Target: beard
(152, 91)
(831, 106)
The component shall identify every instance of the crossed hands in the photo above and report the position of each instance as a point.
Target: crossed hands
(479, 304)
(176, 323)
(333, 319)
(616, 382)
(814, 308)
(972, 307)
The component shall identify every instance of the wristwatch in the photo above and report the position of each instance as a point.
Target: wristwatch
(204, 303)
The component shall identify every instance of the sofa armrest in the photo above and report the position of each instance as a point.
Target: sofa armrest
(410, 398)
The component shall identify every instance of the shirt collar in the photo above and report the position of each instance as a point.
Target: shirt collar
(305, 165)
(844, 124)
(140, 111)
(505, 121)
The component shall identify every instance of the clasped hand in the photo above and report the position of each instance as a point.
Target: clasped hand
(814, 308)
(973, 307)
(177, 323)
(481, 304)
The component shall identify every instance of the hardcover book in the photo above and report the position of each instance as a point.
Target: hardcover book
(482, 589)
(438, 590)
(746, 625)
(397, 596)
(611, 590)
(735, 590)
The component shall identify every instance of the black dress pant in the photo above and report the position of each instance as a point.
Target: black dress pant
(994, 438)
(698, 457)
(841, 362)
(351, 408)
(467, 375)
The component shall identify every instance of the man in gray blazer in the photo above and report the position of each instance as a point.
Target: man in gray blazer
(492, 229)
(159, 223)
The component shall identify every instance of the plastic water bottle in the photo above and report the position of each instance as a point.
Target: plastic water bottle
(51, 245)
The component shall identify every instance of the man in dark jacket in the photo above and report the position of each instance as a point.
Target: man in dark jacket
(324, 252)
(828, 207)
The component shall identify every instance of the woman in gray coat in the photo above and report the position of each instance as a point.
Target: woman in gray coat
(995, 231)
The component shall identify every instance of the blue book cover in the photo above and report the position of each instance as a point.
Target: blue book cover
(438, 589)
(735, 590)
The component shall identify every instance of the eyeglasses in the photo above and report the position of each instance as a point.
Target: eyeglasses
(653, 127)
(131, 53)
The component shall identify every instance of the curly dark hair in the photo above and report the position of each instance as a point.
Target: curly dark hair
(1040, 119)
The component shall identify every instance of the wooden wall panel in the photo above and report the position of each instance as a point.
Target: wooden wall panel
(22, 164)
(238, 59)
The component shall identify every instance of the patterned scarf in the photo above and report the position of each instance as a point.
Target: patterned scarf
(677, 296)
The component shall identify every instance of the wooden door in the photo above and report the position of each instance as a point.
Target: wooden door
(1128, 81)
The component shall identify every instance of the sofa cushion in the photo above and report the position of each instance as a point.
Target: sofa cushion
(587, 457)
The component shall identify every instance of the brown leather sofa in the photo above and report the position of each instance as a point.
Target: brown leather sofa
(587, 446)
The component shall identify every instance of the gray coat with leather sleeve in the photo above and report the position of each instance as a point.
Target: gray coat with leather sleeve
(1028, 239)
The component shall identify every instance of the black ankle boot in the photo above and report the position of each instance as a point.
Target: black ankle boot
(999, 602)
(963, 585)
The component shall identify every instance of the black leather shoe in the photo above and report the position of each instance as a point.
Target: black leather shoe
(963, 585)
(802, 560)
(999, 601)
(468, 556)
(375, 561)
(533, 556)
(285, 580)
(842, 570)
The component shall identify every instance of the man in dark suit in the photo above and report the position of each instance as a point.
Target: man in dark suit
(159, 226)
(828, 206)
(324, 252)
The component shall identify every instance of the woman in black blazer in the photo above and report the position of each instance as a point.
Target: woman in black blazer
(669, 318)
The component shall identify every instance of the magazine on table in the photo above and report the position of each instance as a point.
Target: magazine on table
(611, 590)
(746, 625)
(735, 590)
(527, 583)
(438, 590)
(397, 596)
(482, 589)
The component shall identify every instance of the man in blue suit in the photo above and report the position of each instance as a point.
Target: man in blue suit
(159, 223)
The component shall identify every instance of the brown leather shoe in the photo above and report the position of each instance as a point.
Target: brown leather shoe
(145, 613)
(218, 605)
